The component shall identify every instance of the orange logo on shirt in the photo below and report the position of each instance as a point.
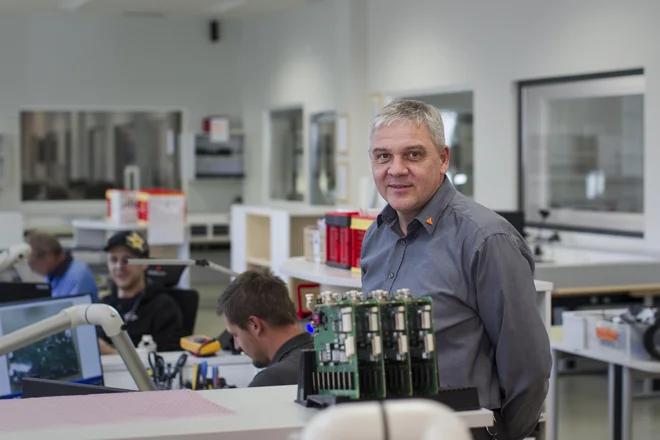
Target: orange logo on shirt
(429, 221)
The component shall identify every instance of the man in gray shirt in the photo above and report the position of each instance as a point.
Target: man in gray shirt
(260, 316)
(473, 264)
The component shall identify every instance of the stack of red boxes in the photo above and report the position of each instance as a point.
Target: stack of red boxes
(339, 239)
(359, 226)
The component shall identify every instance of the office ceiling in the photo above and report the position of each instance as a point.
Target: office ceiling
(152, 8)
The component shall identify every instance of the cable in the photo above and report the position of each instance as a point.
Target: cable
(386, 430)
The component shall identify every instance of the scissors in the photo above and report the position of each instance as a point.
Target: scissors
(157, 364)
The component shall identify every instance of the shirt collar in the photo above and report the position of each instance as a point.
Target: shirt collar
(430, 214)
(61, 268)
(290, 345)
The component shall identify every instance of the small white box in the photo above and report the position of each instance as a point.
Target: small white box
(122, 206)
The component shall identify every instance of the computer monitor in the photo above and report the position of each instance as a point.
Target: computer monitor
(516, 218)
(15, 292)
(34, 387)
(72, 355)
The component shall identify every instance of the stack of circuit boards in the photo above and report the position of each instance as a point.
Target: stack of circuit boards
(373, 345)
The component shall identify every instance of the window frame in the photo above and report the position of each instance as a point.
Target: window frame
(575, 220)
(84, 208)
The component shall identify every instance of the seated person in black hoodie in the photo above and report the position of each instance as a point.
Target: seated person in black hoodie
(145, 308)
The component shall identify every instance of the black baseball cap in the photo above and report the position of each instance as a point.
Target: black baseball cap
(132, 240)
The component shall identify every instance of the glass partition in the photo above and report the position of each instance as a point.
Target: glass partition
(287, 173)
(582, 150)
(322, 158)
(77, 155)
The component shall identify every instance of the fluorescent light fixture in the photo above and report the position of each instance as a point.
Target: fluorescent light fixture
(226, 6)
(72, 5)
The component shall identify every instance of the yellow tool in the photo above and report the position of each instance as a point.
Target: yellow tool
(200, 345)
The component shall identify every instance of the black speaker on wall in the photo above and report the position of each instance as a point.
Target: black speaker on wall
(214, 31)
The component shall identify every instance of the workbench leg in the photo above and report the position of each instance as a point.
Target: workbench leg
(552, 402)
(614, 401)
(626, 403)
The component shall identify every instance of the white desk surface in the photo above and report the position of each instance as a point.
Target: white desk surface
(260, 413)
(115, 363)
(644, 365)
(558, 255)
(299, 267)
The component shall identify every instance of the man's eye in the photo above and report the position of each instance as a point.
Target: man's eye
(382, 156)
(415, 154)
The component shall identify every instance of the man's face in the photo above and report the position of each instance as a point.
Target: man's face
(249, 341)
(123, 275)
(406, 166)
(43, 263)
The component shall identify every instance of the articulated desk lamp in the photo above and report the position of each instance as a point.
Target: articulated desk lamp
(176, 262)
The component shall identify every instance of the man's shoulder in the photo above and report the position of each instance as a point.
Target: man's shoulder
(477, 219)
(281, 373)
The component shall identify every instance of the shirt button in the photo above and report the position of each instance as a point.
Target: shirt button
(391, 275)
(403, 242)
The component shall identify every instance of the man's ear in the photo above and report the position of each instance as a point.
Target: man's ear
(255, 325)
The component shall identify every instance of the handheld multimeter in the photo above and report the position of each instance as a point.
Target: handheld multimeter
(200, 345)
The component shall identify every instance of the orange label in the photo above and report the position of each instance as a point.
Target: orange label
(607, 334)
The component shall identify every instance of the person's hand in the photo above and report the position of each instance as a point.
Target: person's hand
(106, 348)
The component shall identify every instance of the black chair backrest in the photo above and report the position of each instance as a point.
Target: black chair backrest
(188, 301)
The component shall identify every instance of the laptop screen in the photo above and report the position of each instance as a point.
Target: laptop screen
(72, 355)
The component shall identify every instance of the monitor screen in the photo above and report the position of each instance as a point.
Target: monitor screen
(14, 292)
(72, 355)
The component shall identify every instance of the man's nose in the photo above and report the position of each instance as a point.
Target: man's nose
(398, 167)
(237, 346)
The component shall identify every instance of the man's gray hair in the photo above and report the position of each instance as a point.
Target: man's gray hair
(412, 112)
(43, 243)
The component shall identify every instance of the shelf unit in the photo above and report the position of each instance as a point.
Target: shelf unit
(265, 236)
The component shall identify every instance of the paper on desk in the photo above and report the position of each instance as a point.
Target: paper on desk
(67, 411)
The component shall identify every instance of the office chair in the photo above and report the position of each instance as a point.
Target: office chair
(188, 301)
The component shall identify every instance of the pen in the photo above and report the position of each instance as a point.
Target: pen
(203, 366)
(195, 376)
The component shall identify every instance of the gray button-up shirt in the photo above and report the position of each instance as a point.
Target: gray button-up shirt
(479, 272)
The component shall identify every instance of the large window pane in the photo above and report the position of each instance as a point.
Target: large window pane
(582, 153)
(73, 155)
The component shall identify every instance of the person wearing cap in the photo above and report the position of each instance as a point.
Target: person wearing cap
(145, 308)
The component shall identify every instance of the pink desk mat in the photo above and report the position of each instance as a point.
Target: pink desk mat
(71, 411)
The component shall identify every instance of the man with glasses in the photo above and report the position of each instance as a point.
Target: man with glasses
(66, 275)
(145, 308)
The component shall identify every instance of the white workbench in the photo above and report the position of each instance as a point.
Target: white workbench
(341, 280)
(620, 387)
(267, 413)
(237, 370)
(575, 271)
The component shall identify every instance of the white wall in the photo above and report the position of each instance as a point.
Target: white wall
(312, 57)
(488, 46)
(61, 61)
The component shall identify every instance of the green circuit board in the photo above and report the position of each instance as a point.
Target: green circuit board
(423, 361)
(371, 363)
(374, 346)
(395, 348)
(335, 345)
